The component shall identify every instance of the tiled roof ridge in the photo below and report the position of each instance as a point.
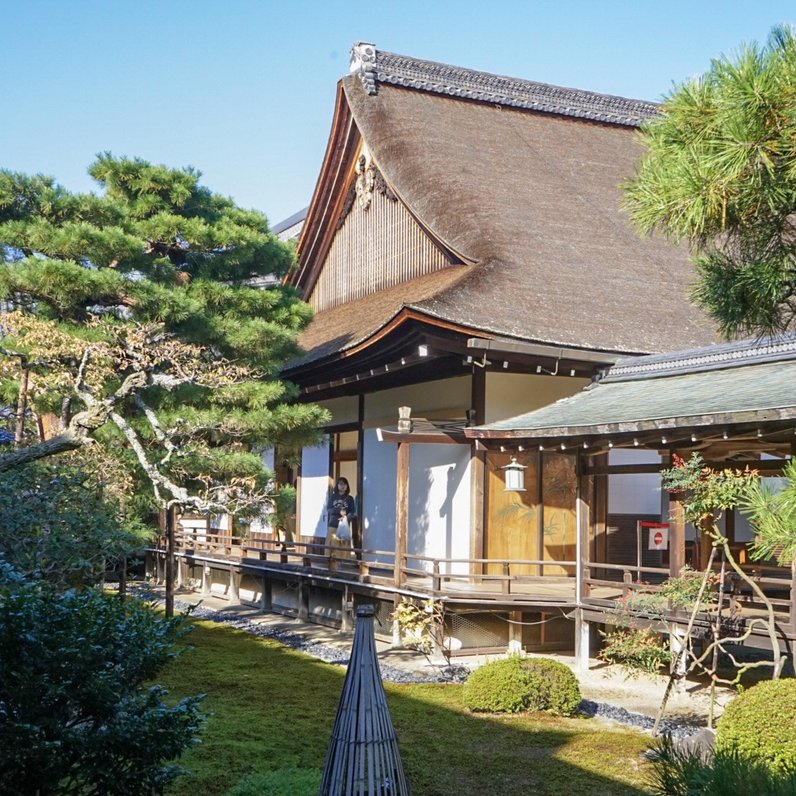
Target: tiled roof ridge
(376, 66)
(726, 355)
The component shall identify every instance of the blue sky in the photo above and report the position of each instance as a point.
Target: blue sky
(244, 90)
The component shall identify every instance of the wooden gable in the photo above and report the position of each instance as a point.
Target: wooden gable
(377, 242)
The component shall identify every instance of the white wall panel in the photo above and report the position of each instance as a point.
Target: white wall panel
(439, 503)
(378, 486)
(512, 394)
(439, 500)
(314, 490)
(446, 398)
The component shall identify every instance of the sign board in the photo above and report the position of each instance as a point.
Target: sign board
(658, 535)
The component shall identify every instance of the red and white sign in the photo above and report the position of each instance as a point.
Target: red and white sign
(658, 536)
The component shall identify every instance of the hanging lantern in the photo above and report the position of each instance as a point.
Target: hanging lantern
(514, 476)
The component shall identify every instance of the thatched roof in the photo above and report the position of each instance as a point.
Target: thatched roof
(523, 181)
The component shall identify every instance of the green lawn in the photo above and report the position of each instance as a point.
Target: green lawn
(269, 708)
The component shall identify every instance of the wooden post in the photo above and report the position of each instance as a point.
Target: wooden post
(600, 511)
(627, 579)
(401, 512)
(266, 594)
(505, 583)
(171, 523)
(346, 611)
(540, 510)
(207, 580)
(182, 573)
(515, 631)
(583, 514)
(436, 583)
(477, 502)
(303, 601)
(477, 469)
(676, 536)
(234, 585)
(582, 641)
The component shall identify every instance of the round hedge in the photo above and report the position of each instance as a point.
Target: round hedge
(517, 685)
(761, 724)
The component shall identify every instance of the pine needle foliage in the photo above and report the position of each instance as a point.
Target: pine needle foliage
(137, 307)
(720, 173)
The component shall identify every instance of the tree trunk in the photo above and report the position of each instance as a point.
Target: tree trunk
(171, 522)
(22, 406)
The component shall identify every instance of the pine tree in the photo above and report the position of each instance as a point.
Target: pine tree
(720, 173)
(131, 317)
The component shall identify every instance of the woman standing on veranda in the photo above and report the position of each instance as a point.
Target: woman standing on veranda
(342, 510)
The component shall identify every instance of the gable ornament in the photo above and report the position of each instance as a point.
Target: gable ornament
(362, 62)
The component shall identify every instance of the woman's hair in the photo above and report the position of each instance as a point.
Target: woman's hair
(343, 480)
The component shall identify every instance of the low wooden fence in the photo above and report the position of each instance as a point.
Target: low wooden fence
(487, 580)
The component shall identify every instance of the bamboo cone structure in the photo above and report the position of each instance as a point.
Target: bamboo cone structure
(363, 757)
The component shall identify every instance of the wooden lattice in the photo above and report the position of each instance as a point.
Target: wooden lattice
(363, 757)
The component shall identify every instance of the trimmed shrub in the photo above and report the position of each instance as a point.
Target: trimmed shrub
(556, 684)
(677, 771)
(759, 724)
(517, 685)
(285, 782)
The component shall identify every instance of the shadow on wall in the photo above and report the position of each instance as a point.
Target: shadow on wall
(436, 476)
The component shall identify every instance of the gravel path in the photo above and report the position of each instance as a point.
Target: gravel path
(456, 674)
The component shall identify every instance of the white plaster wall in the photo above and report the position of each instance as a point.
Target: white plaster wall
(439, 504)
(342, 410)
(445, 398)
(634, 494)
(314, 490)
(377, 507)
(512, 394)
(439, 500)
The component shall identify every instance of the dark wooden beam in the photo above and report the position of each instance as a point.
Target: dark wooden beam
(762, 465)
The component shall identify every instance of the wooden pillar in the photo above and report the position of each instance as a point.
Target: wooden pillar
(600, 511)
(303, 600)
(182, 573)
(207, 580)
(266, 594)
(358, 539)
(540, 510)
(477, 504)
(401, 512)
(515, 631)
(583, 514)
(234, 586)
(347, 611)
(582, 641)
(676, 534)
